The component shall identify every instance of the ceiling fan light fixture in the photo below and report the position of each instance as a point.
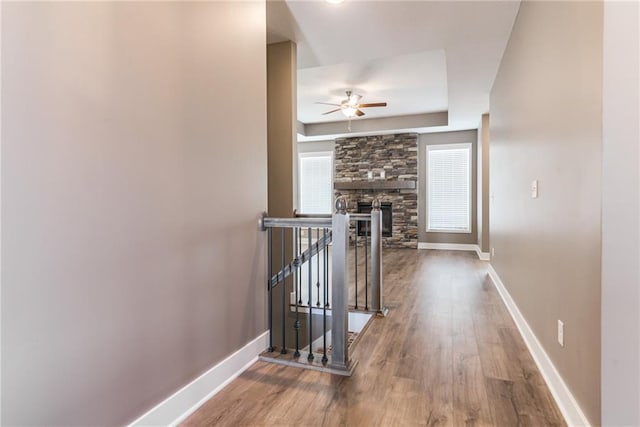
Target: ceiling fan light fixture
(351, 107)
(349, 110)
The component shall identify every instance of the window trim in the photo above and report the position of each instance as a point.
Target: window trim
(438, 147)
(302, 155)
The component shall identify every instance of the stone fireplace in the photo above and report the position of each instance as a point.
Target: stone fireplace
(394, 156)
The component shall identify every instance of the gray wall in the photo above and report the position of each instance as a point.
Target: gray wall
(546, 124)
(316, 146)
(131, 188)
(621, 217)
(457, 137)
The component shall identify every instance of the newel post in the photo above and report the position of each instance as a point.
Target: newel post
(376, 259)
(340, 288)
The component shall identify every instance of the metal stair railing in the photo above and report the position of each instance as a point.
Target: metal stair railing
(331, 282)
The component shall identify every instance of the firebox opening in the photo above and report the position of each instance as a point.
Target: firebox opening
(387, 219)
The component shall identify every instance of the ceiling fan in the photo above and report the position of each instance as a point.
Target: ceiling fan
(351, 107)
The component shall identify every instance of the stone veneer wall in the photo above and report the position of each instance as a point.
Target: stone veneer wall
(397, 155)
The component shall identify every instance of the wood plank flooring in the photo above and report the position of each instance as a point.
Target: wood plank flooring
(447, 354)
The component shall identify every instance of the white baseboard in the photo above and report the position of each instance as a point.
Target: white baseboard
(177, 407)
(448, 246)
(568, 405)
(469, 247)
(484, 256)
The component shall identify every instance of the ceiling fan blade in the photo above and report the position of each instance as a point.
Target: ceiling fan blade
(359, 113)
(332, 111)
(375, 104)
(326, 103)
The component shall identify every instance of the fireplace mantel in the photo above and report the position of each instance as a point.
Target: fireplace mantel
(375, 185)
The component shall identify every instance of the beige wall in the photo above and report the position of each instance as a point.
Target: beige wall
(484, 196)
(456, 137)
(546, 124)
(131, 189)
(282, 162)
(282, 120)
(621, 216)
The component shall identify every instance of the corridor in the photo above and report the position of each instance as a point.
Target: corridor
(448, 353)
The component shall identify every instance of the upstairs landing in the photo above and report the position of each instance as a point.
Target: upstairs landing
(448, 353)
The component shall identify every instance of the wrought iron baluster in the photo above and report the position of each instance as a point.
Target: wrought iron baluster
(366, 266)
(296, 280)
(326, 274)
(325, 359)
(355, 257)
(283, 350)
(318, 266)
(309, 295)
(310, 357)
(270, 287)
(299, 284)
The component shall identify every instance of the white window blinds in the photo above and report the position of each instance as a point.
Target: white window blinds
(449, 188)
(315, 182)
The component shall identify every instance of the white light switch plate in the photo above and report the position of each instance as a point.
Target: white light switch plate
(534, 189)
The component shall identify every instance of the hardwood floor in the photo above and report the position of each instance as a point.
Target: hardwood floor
(448, 353)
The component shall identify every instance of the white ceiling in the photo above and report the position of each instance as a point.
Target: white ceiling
(419, 56)
(410, 84)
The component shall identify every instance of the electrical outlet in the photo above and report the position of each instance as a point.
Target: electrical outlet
(493, 252)
(561, 332)
(534, 189)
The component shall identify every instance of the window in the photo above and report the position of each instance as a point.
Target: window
(315, 183)
(449, 188)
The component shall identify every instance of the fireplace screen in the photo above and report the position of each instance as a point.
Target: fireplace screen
(387, 219)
